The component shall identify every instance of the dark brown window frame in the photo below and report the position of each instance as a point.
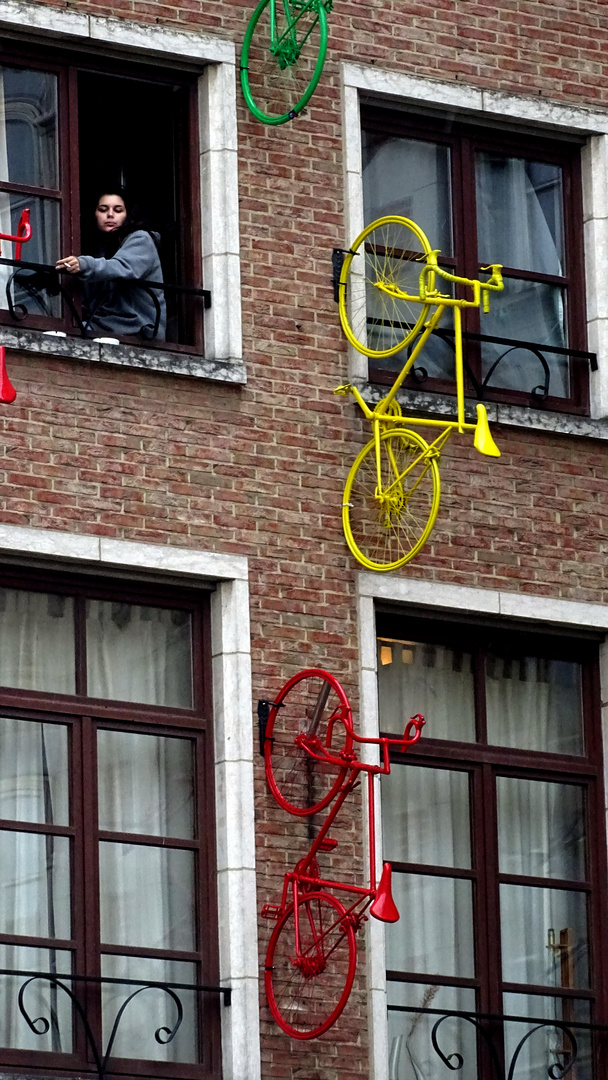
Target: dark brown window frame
(484, 763)
(83, 716)
(464, 139)
(66, 64)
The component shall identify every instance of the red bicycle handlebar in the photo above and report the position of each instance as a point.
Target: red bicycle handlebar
(312, 745)
(24, 233)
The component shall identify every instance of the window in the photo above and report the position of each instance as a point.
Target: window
(485, 196)
(493, 825)
(69, 127)
(106, 823)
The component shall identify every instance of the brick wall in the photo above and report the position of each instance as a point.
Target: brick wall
(259, 470)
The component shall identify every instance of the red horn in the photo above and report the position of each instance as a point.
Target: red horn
(7, 390)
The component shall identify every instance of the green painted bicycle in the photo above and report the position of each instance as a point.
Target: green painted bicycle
(282, 58)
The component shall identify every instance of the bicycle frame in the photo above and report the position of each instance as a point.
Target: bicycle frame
(316, 750)
(311, 957)
(381, 415)
(285, 47)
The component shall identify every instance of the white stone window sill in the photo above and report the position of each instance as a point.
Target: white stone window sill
(417, 401)
(130, 356)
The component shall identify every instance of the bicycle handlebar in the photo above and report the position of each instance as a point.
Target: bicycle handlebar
(24, 232)
(312, 745)
(429, 292)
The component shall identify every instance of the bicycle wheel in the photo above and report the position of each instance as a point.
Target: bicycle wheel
(385, 530)
(390, 251)
(311, 703)
(308, 987)
(278, 80)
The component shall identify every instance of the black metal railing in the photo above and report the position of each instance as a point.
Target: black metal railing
(538, 393)
(41, 1025)
(37, 282)
(579, 1050)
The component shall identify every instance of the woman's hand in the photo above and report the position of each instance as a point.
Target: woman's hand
(71, 263)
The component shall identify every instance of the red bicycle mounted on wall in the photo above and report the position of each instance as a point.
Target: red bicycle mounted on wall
(23, 234)
(308, 742)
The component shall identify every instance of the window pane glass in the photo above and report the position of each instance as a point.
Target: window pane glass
(425, 816)
(41, 248)
(526, 311)
(139, 654)
(534, 704)
(541, 829)
(411, 1053)
(520, 213)
(145, 784)
(37, 634)
(547, 1048)
(544, 936)
(147, 896)
(39, 999)
(412, 179)
(435, 362)
(150, 1010)
(34, 885)
(28, 127)
(439, 939)
(33, 772)
(431, 679)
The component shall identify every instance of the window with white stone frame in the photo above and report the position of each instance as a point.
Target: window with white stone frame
(581, 133)
(172, 145)
(120, 699)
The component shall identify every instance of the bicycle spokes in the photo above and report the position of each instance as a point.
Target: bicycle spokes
(310, 711)
(307, 991)
(282, 58)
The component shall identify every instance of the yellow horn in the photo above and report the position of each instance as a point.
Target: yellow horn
(483, 441)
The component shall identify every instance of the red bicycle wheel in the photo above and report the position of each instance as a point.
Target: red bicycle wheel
(312, 703)
(308, 987)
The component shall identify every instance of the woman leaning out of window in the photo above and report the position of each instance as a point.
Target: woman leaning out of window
(128, 253)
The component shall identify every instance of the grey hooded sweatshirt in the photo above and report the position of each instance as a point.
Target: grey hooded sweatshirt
(114, 305)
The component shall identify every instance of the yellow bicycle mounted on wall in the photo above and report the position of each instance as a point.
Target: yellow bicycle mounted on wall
(387, 302)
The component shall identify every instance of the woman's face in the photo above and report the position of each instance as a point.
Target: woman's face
(110, 213)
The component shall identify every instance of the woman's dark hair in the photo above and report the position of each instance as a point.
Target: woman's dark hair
(134, 222)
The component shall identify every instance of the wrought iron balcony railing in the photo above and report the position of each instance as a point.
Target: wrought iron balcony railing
(534, 349)
(41, 1025)
(536, 1047)
(37, 283)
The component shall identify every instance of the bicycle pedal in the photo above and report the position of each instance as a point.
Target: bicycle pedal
(328, 844)
(272, 911)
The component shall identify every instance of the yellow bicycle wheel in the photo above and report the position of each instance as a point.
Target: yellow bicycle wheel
(391, 251)
(385, 529)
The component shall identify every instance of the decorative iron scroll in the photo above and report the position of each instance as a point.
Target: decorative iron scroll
(40, 1025)
(539, 393)
(488, 1027)
(40, 281)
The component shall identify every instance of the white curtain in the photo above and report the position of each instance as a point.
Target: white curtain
(145, 788)
(34, 876)
(37, 635)
(147, 892)
(410, 178)
(139, 654)
(532, 704)
(520, 224)
(428, 679)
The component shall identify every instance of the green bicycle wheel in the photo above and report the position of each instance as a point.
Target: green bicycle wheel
(390, 252)
(279, 79)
